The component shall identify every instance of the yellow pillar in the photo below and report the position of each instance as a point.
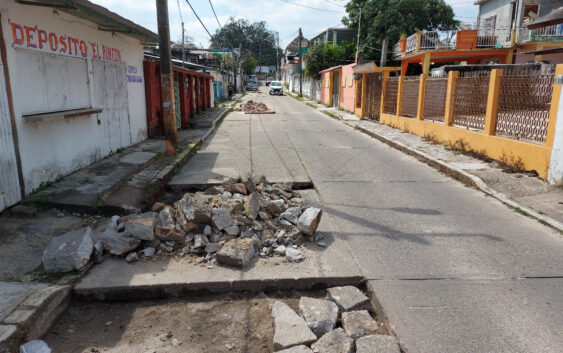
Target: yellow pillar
(450, 98)
(492, 102)
(426, 64)
(383, 89)
(400, 96)
(418, 36)
(554, 107)
(330, 81)
(421, 94)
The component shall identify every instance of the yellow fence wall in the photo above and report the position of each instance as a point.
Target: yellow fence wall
(530, 156)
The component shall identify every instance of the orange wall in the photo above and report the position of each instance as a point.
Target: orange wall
(325, 87)
(348, 91)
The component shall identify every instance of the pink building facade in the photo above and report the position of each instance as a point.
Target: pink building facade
(338, 87)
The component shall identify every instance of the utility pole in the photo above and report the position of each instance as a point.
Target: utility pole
(384, 44)
(300, 65)
(183, 47)
(166, 79)
(277, 56)
(358, 41)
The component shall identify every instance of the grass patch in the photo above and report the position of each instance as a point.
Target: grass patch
(311, 105)
(326, 112)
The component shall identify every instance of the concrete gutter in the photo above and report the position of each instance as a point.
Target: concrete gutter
(461, 175)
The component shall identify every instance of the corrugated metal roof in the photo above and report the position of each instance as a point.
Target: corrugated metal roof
(104, 18)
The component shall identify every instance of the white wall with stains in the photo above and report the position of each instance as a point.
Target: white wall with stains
(59, 62)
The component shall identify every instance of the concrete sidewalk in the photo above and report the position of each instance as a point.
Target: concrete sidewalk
(520, 190)
(129, 180)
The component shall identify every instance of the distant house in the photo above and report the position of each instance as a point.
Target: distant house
(71, 90)
(335, 35)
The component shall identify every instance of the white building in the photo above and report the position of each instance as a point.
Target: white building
(71, 90)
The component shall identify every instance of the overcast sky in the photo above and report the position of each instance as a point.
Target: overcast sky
(283, 16)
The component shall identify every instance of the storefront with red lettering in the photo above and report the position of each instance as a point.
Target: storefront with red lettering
(71, 86)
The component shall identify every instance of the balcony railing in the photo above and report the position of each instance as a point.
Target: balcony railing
(498, 38)
(437, 40)
(552, 33)
(411, 43)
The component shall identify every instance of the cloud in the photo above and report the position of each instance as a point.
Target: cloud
(278, 15)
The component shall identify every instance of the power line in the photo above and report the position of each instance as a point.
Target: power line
(309, 7)
(212, 8)
(199, 19)
(335, 3)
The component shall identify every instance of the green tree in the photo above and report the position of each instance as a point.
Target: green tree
(322, 56)
(252, 37)
(249, 64)
(399, 16)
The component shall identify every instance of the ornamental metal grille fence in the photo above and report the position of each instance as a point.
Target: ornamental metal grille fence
(524, 103)
(409, 102)
(470, 104)
(435, 99)
(390, 104)
(373, 95)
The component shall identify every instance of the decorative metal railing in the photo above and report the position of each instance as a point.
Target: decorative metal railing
(438, 40)
(411, 43)
(498, 38)
(390, 102)
(409, 103)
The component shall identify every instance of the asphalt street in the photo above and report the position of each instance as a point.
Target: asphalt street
(453, 269)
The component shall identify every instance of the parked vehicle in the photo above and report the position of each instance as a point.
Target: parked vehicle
(269, 80)
(252, 86)
(276, 87)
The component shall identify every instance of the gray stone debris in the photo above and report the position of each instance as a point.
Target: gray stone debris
(294, 255)
(148, 252)
(297, 349)
(237, 252)
(200, 241)
(289, 328)
(309, 220)
(132, 257)
(166, 217)
(280, 250)
(142, 227)
(358, 324)
(172, 233)
(291, 214)
(222, 219)
(252, 206)
(119, 243)
(348, 298)
(320, 314)
(35, 346)
(68, 252)
(336, 341)
(377, 344)
(275, 207)
(218, 215)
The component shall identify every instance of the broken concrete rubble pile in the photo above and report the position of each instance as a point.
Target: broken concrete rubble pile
(253, 107)
(229, 224)
(315, 330)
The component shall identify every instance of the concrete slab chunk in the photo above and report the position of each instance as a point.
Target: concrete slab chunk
(251, 206)
(377, 344)
(68, 252)
(336, 341)
(348, 298)
(309, 220)
(320, 314)
(289, 328)
(142, 227)
(358, 324)
(237, 252)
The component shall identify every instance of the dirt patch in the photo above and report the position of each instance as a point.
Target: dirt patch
(219, 323)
